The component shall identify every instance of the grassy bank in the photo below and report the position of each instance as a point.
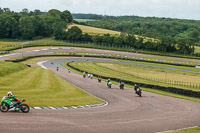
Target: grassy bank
(7, 68)
(41, 87)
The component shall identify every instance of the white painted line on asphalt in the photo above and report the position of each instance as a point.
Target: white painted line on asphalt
(52, 108)
(41, 64)
(36, 50)
(54, 48)
(45, 49)
(37, 108)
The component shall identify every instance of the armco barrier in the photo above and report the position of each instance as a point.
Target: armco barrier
(5, 52)
(157, 87)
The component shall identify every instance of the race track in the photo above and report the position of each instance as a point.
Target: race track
(125, 112)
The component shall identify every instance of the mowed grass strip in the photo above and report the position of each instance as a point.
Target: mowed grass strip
(141, 74)
(41, 87)
(9, 67)
(192, 130)
(7, 43)
(153, 73)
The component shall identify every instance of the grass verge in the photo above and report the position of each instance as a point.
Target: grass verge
(192, 130)
(126, 77)
(41, 87)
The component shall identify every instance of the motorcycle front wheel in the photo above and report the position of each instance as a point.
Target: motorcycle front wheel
(4, 108)
(24, 108)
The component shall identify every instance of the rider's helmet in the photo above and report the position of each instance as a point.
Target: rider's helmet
(10, 94)
(135, 84)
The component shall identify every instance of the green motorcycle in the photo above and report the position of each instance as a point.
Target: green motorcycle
(9, 104)
(109, 84)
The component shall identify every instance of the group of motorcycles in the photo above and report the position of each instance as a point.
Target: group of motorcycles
(137, 89)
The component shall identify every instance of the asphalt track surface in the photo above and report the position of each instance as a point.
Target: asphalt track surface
(125, 112)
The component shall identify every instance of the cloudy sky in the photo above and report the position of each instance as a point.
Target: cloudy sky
(186, 9)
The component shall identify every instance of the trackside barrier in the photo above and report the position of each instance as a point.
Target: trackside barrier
(5, 52)
(179, 91)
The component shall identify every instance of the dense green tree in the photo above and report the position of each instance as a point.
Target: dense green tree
(56, 14)
(86, 37)
(26, 27)
(37, 12)
(24, 12)
(59, 30)
(74, 33)
(66, 16)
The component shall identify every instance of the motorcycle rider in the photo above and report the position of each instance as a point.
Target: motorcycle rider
(108, 81)
(136, 87)
(13, 98)
(99, 78)
(121, 84)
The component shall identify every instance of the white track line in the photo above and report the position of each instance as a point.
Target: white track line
(36, 50)
(54, 48)
(37, 108)
(45, 49)
(41, 64)
(52, 108)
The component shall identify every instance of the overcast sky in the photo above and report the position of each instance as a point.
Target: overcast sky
(186, 9)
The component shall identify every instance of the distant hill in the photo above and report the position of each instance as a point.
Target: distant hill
(153, 27)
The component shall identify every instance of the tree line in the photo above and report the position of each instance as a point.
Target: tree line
(174, 34)
(34, 24)
(165, 44)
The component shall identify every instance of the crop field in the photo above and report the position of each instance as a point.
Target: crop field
(85, 20)
(93, 30)
(142, 74)
(41, 87)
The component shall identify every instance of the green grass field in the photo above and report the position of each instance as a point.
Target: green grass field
(7, 68)
(7, 43)
(41, 87)
(193, 130)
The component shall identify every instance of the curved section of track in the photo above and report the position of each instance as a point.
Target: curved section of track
(125, 112)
